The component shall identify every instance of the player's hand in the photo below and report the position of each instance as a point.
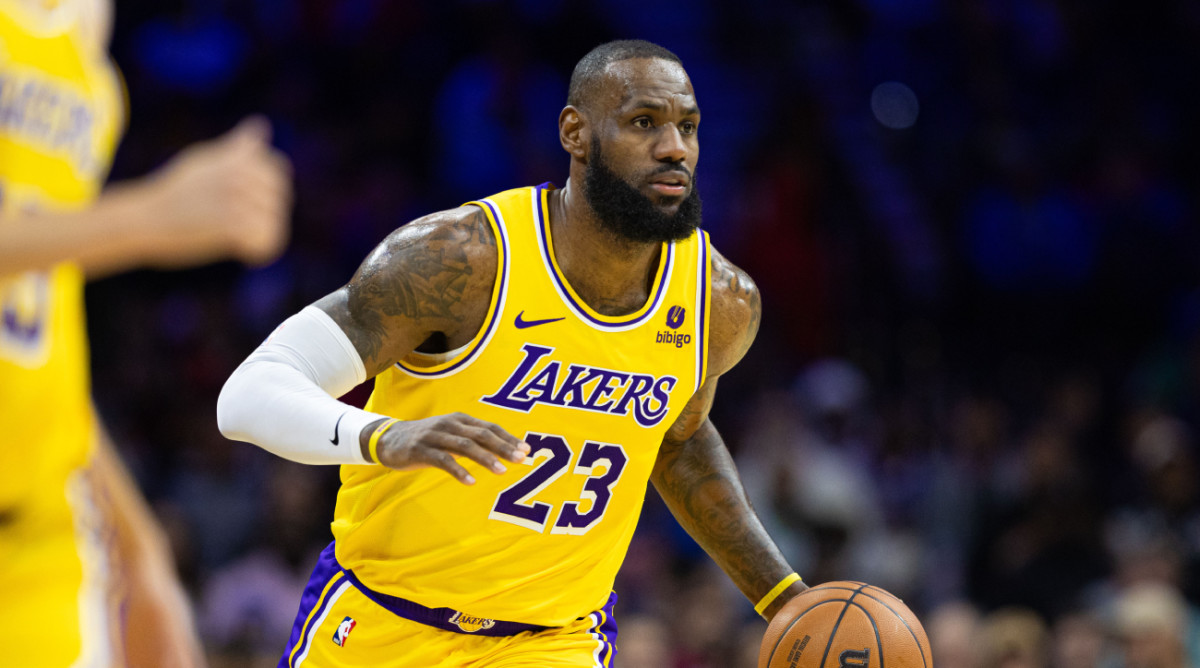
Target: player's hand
(438, 441)
(230, 197)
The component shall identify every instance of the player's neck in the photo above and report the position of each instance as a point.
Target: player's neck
(612, 275)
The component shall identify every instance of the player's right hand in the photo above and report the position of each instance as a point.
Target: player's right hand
(437, 441)
(230, 197)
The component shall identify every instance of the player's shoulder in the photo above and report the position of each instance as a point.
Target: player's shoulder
(736, 311)
(448, 256)
(457, 238)
(467, 225)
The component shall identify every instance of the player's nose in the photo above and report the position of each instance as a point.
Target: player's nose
(670, 146)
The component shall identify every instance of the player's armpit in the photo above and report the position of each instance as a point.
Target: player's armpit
(429, 281)
(698, 481)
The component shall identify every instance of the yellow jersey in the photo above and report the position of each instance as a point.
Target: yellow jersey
(61, 114)
(593, 395)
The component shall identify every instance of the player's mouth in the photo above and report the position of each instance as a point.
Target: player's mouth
(673, 183)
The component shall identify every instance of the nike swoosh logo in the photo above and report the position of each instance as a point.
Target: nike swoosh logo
(523, 324)
(334, 440)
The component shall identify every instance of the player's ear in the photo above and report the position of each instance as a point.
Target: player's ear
(573, 132)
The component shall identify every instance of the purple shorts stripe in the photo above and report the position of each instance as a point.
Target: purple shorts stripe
(327, 567)
(439, 618)
(608, 631)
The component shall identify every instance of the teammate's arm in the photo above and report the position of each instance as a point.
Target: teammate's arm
(159, 629)
(430, 282)
(695, 474)
(229, 197)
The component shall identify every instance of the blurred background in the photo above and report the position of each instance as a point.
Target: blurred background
(973, 223)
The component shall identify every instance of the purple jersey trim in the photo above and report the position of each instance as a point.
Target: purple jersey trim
(502, 270)
(543, 230)
(327, 567)
(702, 324)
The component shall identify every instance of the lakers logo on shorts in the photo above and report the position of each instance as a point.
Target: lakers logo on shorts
(471, 624)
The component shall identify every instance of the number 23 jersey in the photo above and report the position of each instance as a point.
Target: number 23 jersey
(593, 395)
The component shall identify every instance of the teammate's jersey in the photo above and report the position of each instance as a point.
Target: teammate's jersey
(593, 395)
(61, 111)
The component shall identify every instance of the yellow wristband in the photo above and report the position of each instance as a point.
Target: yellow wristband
(775, 592)
(373, 443)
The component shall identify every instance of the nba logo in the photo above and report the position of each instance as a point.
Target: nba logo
(343, 630)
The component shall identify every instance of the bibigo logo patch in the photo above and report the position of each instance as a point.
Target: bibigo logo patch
(675, 317)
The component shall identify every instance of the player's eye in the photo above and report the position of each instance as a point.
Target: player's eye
(642, 122)
(687, 128)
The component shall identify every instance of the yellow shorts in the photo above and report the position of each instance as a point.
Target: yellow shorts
(60, 592)
(342, 623)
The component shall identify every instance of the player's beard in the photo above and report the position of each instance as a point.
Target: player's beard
(629, 214)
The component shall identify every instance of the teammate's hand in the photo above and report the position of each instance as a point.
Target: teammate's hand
(436, 441)
(230, 197)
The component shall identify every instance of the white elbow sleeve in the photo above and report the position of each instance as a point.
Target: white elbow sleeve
(282, 397)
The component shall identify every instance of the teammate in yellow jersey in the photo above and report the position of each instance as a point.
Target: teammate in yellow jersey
(539, 357)
(79, 550)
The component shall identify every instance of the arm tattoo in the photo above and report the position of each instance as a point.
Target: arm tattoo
(420, 274)
(694, 473)
(698, 481)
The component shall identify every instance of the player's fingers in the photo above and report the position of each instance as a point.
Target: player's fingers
(272, 173)
(470, 449)
(259, 179)
(252, 130)
(519, 451)
(502, 433)
(495, 443)
(445, 461)
(256, 218)
(259, 232)
(496, 439)
(512, 447)
(280, 163)
(265, 191)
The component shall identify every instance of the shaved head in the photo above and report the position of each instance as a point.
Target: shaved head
(585, 79)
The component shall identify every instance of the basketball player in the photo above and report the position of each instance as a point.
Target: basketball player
(539, 356)
(79, 550)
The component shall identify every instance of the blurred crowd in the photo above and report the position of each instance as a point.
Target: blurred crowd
(977, 383)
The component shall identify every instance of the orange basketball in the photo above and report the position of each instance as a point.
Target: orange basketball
(841, 624)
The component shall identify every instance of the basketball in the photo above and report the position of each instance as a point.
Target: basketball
(841, 624)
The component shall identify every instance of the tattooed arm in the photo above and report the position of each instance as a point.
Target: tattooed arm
(695, 474)
(429, 282)
(426, 287)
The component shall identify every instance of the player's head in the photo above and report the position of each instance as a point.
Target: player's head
(630, 123)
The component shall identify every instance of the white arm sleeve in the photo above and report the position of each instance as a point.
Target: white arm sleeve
(282, 397)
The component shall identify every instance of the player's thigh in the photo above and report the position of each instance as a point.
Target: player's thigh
(40, 622)
(60, 598)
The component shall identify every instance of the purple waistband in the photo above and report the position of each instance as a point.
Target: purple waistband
(446, 619)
